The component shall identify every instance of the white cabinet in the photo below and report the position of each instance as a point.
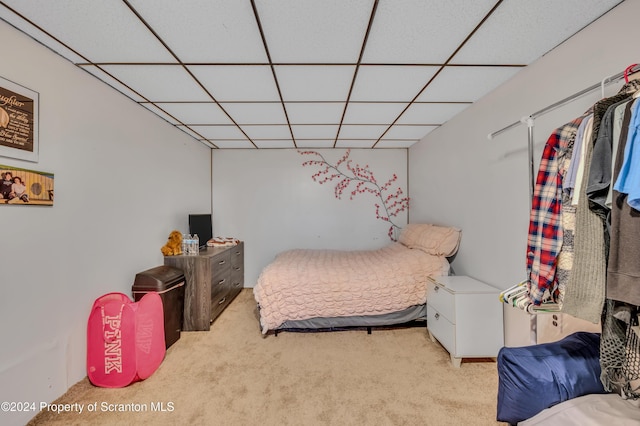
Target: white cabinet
(465, 316)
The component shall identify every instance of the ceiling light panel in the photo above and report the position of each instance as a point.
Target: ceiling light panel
(315, 83)
(237, 83)
(315, 131)
(390, 83)
(420, 31)
(466, 84)
(314, 112)
(373, 113)
(520, 31)
(310, 31)
(434, 114)
(159, 83)
(101, 31)
(196, 112)
(205, 31)
(256, 113)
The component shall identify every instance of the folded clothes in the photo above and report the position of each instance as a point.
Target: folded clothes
(222, 242)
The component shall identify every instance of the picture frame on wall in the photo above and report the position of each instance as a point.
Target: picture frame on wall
(19, 108)
(25, 187)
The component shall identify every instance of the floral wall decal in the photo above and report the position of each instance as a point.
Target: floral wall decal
(353, 179)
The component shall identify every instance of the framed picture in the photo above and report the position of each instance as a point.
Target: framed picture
(25, 187)
(19, 108)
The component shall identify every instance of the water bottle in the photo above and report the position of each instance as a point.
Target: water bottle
(195, 240)
(186, 244)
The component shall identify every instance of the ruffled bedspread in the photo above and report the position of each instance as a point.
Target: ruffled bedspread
(302, 284)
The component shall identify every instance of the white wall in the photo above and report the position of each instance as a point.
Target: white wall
(268, 199)
(459, 177)
(121, 186)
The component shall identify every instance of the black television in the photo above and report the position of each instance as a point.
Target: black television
(201, 224)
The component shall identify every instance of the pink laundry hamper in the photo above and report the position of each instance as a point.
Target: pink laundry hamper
(125, 340)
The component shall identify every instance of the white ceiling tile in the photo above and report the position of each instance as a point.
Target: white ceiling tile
(315, 131)
(219, 132)
(101, 31)
(370, 113)
(361, 132)
(196, 112)
(314, 113)
(274, 143)
(355, 143)
(256, 113)
(520, 31)
(205, 31)
(396, 143)
(159, 83)
(233, 144)
(42, 37)
(299, 31)
(408, 132)
(421, 31)
(160, 113)
(435, 114)
(109, 80)
(466, 84)
(237, 82)
(267, 132)
(390, 83)
(315, 83)
(314, 143)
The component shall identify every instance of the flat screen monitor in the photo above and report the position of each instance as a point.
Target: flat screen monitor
(201, 224)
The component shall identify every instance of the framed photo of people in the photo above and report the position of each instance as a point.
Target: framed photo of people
(19, 108)
(25, 187)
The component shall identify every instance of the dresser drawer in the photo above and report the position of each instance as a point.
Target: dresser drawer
(442, 300)
(442, 329)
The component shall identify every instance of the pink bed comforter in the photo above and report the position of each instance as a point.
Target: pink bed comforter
(302, 284)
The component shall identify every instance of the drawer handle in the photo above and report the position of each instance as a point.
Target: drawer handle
(222, 301)
(236, 284)
(437, 315)
(436, 288)
(221, 281)
(237, 253)
(222, 262)
(237, 268)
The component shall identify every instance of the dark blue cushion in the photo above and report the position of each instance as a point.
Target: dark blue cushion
(533, 378)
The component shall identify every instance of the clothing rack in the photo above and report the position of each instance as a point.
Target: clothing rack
(517, 295)
(607, 80)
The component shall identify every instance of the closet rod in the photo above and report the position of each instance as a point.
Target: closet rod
(566, 100)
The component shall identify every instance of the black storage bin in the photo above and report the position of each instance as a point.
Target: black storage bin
(169, 283)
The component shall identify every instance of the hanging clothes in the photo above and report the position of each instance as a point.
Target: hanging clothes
(545, 231)
(623, 273)
(585, 292)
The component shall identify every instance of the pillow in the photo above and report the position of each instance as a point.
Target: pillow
(533, 378)
(432, 239)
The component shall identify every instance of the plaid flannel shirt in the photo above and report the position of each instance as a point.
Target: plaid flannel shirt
(545, 225)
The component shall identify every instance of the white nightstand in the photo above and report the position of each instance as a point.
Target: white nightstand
(465, 316)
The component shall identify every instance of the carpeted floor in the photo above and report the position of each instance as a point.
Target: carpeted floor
(232, 375)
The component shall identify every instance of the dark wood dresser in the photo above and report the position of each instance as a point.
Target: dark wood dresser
(214, 278)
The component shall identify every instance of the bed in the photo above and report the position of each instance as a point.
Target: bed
(305, 289)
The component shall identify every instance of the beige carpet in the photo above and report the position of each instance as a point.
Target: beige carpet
(231, 375)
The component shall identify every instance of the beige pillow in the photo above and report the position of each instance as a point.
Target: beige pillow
(433, 239)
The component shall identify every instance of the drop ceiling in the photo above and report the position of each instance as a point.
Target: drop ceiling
(303, 73)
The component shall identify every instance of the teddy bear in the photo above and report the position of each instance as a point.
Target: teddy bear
(173, 247)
